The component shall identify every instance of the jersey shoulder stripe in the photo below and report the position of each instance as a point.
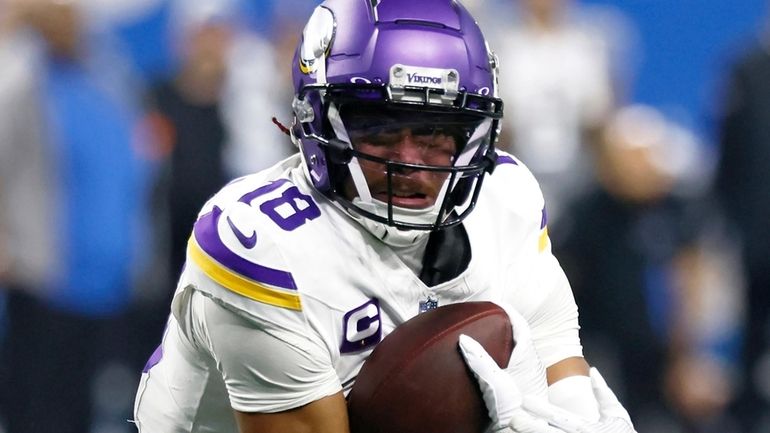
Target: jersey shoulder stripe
(239, 284)
(260, 283)
(544, 240)
(505, 159)
(515, 190)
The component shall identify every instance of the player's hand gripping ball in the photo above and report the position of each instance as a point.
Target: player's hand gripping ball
(416, 380)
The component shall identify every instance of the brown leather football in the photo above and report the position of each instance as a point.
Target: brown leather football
(416, 380)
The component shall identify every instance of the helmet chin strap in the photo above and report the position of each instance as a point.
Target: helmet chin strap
(388, 234)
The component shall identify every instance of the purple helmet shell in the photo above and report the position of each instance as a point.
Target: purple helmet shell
(368, 40)
(429, 55)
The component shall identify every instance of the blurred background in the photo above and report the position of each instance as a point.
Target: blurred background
(646, 122)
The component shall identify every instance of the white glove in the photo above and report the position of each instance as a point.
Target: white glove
(525, 365)
(533, 414)
(501, 394)
(613, 416)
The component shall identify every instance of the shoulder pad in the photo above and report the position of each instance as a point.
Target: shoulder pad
(516, 190)
(516, 184)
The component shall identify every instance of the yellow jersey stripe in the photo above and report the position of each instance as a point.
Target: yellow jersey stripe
(543, 242)
(239, 284)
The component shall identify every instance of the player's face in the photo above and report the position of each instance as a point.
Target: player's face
(423, 145)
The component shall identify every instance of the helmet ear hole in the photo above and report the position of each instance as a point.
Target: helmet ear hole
(303, 110)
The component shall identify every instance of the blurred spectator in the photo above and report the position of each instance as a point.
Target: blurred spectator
(659, 301)
(212, 121)
(25, 255)
(187, 120)
(214, 116)
(185, 117)
(255, 92)
(253, 86)
(743, 186)
(557, 87)
(70, 207)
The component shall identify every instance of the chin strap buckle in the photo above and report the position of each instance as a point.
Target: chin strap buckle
(491, 157)
(339, 151)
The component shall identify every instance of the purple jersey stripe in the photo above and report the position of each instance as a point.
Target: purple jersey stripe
(505, 159)
(205, 232)
(154, 359)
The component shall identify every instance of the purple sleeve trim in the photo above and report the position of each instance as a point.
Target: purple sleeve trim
(154, 359)
(505, 159)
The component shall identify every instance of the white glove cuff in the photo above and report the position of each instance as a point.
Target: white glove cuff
(575, 394)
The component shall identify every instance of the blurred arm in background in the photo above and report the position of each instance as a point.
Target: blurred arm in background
(557, 84)
(743, 188)
(71, 208)
(654, 279)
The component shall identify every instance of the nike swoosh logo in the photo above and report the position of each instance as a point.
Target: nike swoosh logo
(247, 241)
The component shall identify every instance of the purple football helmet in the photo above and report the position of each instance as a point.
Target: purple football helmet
(369, 67)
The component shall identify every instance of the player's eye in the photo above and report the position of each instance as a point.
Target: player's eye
(435, 143)
(376, 136)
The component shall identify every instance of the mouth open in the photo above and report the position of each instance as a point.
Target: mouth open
(409, 200)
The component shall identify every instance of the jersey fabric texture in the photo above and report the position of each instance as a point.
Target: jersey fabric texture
(284, 296)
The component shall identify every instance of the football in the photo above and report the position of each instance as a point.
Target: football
(416, 380)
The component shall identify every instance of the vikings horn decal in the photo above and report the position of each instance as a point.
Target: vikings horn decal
(494, 66)
(316, 41)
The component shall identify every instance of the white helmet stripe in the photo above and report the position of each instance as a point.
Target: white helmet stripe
(359, 181)
(477, 138)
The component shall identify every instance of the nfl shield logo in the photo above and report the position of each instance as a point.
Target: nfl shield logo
(428, 304)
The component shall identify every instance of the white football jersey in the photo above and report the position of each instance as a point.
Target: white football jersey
(284, 296)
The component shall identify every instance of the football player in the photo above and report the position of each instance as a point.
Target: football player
(295, 273)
